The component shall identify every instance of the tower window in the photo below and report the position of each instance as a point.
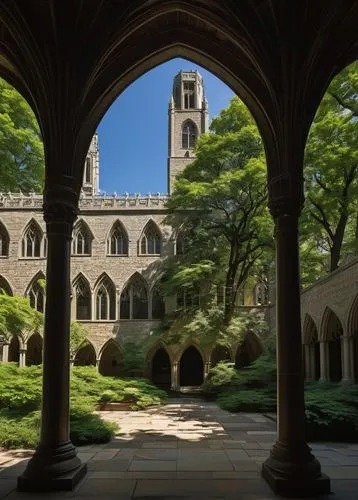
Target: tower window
(188, 135)
(189, 95)
(88, 170)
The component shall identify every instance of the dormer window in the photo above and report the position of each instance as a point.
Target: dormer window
(188, 91)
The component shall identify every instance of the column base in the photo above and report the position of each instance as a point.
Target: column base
(294, 475)
(52, 469)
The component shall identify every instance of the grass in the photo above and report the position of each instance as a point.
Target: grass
(20, 400)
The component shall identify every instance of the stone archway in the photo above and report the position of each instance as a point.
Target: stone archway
(219, 353)
(86, 356)
(34, 350)
(249, 350)
(191, 368)
(161, 369)
(311, 349)
(332, 333)
(110, 363)
(14, 349)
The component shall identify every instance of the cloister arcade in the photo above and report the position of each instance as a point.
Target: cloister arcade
(71, 59)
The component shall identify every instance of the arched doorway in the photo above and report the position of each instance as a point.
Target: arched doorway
(219, 353)
(332, 332)
(191, 368)
(111, 360)
(86, 356)
(34, 350)
(249, 350)
(311, 349)
(161, 369)
(14, 349)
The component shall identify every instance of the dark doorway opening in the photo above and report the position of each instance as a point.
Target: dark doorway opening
(14, 350)
(191, 368)
(86, 356)
(34, 350)
(220, 353)
(161, 369)
(335, 359)
(317, 358)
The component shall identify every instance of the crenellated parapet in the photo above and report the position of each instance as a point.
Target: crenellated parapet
(34, 201)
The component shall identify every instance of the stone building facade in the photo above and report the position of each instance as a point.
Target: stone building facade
(118, 244)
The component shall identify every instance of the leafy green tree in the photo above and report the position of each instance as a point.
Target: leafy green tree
(16, 316)
(219, 207)
(331, 170)
(21, 149)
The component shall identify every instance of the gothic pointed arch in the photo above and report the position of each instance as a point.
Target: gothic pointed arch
(86, 355)
(14, 349)
(33, 241)
(150, 242)
(83, 297)
(5, 286)
(105, 298)
(352, 322)
(36, 292)
(161, 368)
(310, 333)
(117, 239)
(189, 134)
(134, 298)
(81, 238)
(110, 359)
(157, 301)
(191, 367)
(249, 350)
(331, 332)
(4, 240)
(34, 350)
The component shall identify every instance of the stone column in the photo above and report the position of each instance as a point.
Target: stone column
(22, 357)
(291, 469)
(308, 367)
(207, 367)
(312, 356)
(347, 368)
(97, 363)
(175, 381)
(5, 353)
(324, 361)
(55, 464)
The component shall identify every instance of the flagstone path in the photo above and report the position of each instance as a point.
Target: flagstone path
(186, 449)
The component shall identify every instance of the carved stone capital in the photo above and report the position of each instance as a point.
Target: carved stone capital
(59, 218)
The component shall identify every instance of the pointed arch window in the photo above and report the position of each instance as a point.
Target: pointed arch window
(33, 242)
(82, 240)
(5, 287)
(36, 295)
(83, 299)
(117, 243)
(106, 300)
(150, 242)
(4, 241)
(88, 170)
(134, 300)
(188, 135)
(189, 93)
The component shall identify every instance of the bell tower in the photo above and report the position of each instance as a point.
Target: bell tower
(90, 184)
(188, 118)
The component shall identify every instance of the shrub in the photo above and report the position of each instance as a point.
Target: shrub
(219, 377)
(247, 400)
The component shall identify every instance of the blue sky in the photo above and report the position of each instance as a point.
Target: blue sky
(133, 134)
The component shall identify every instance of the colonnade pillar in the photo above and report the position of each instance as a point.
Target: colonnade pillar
(347, 366)
(324, 361)
(291, 468)
(55, 464)
(175, 381)
(22, 357)
(5, 353)
(310, 362)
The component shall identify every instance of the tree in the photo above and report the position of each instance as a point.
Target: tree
(331, 168)
(17, 316)
(21, 149)
(219, 207)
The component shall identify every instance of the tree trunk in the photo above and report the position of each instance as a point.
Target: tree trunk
(337, 242)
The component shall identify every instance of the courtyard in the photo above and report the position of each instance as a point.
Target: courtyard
(185, 449)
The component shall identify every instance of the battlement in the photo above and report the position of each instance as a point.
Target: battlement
(33, 201)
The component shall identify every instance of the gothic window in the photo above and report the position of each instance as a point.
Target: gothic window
(188, 298)
(4, 241)
(188, 135)
(158, 305)
(32, 241)
(150, 242)
(88, 170)
(189, 95)
(117, 243)
(106, 300)
(37, 296)
(83, 299)
(4, 286)
(81, 242)
(134, 300)
(261, 294)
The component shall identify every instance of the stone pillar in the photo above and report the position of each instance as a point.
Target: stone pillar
(97, 363)
(307, 357)
(175, 381)
(291, 469)
(22, 357)
(5, 353)
(324, 361)
(312, 357)
(347, 368)
(55, 464)
(207, 367)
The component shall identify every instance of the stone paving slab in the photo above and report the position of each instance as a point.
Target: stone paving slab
(186, 449)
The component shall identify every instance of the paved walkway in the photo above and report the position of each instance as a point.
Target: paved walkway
(186, 449)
